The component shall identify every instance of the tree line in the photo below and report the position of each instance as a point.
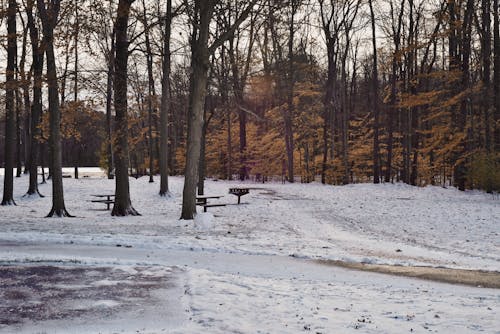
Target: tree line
(335, 91)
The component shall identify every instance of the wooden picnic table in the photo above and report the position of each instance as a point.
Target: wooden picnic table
(108, 201)
(203, 201)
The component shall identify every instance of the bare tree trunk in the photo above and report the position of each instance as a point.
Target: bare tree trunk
(10, 108)
(165, 102)
(200, 52)
(151, 92)
(199, 74)
(288, 114)
(123, 205)
(48, 17)
(75, 82)
(109, 101)
(393, 108)
(376, 148)
(19, 122)
(36, 109)
(486, 77)
(25, 86)
(460, 171)
(496, 76)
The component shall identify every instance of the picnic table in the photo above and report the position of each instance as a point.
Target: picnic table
(239, 192)
(203, 201)
(104, 198)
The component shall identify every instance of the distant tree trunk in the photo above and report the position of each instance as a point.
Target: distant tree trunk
(376, 148)
(486, 77)
(109, 102)
(10, 108)
(496, 76)
(151, 93)
(460, 171)
(19, 122)
(328, 108)
(393, 108)
(239, 82)
(36, 109)
(75, 82)
(165, 102)
(123, 205)
(25, 86)
(202, 165)
(48, 17)
(288, 114)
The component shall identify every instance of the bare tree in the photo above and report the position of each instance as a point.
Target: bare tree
(123, 205)
(48, 16)
(37, 55)
(165, 101)
(200, 52)
(376, 105)
(10, 108)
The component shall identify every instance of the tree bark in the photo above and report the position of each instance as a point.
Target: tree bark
(151, 92)
(460, 171)
(199, 75)
(36, 108)
(288, 114)
(123, 205)
(10, 108)
(496, 76)
(48, 17)
(486, 77)
(109, 102)
(200, 52)
(75, 83)
(376, 144)
(165, 102)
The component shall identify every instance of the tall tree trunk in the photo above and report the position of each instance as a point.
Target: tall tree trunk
(392, 111)
(151, 93)
(123, 205)
(165, 102)
(200, 52)
(486, 77)
(496, 76)
(19, 122)
(48, 17)
(288, 114)
(460, 171)
(376, 144)
(199, 75)
(10, 108)
(75, 83)
(36, 108)
(25, 86)
(109, 102)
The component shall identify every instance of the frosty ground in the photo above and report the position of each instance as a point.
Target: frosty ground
(247, 268)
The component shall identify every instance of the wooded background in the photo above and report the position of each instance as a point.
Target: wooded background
(334, 91)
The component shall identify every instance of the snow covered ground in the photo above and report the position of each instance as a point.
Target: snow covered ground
(247, 268)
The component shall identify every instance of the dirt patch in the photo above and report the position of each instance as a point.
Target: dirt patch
(476, 278)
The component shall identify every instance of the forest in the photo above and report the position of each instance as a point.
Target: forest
(330, 91)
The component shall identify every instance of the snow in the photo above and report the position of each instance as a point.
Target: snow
(248, 268)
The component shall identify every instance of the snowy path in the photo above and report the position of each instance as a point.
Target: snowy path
(238, 293)
(248, 268)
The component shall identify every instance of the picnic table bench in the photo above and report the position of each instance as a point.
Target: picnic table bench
(239, 192)
(202, 200)
(106, 199)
